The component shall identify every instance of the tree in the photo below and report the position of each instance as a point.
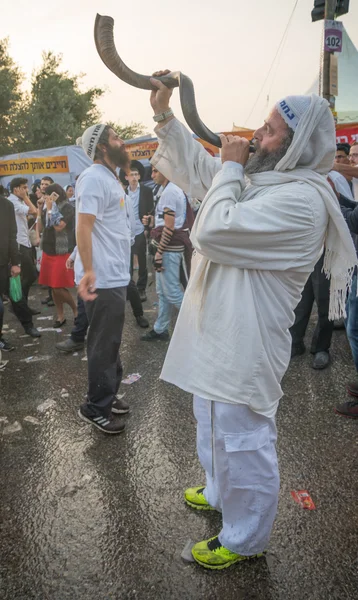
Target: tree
(56, 112)
(10, 98)
(127, 132)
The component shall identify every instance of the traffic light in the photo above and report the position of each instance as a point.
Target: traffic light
(342, 7)
(318, 11)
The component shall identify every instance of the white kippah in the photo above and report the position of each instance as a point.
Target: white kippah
(292, 109)
(90, 139)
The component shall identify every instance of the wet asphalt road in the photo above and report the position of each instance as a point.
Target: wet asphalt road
(90, 517)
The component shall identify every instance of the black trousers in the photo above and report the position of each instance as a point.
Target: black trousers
(28, 270)
(79, 331)
(140, 249)
(134, 299)
(20, 309)
(316, 289)
(106, 318)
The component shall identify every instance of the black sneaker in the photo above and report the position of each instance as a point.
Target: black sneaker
(35, 312)
(110, 424)
(5, 345)
(352, 388)
(152, 336)
(69, 345)
(348, 409)
(142, 321)
(119, 407)
(321, 360)
(33, 332)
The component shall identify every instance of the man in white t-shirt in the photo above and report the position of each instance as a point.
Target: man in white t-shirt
(104, 248)
(170, 216)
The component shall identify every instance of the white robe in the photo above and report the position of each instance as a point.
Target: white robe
(231, 342)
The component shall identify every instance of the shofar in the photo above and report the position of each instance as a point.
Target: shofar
(103, 35)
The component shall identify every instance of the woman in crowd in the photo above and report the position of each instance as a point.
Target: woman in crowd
(35, 193)
(56, 222)
(70, 193)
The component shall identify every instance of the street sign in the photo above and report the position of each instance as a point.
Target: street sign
(333, 33)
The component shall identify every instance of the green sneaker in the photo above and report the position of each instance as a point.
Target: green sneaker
(213, 555)
(195, 498)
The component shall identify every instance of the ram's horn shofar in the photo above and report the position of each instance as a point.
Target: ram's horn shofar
(103, 35)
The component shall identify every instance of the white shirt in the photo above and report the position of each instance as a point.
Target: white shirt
(75, 256)
(174, 198)
(99, 193)
(341, 184)
(355, 187)
(232, 342)
(134, 201)
(21, 212)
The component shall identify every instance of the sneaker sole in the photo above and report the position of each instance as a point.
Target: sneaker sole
(344, 415)
(321, 368)
(119, 411)
(7, 349)
(228, 564)
(352, 393)
(198, 506)
(84, 418)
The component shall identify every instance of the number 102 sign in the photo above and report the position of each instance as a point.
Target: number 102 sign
(333, 33)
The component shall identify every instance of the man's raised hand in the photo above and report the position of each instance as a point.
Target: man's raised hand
(234, 148)
(160, 97)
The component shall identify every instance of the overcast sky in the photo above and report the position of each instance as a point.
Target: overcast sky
(225, 46)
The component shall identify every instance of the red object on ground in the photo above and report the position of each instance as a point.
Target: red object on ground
(53, 272)
(303, 498)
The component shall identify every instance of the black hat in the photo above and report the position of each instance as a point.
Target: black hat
(135, 164)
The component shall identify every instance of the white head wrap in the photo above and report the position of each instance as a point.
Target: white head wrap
(309, 159)
(90, 139)
(292, 109)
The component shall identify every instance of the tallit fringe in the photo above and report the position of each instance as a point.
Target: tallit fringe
(340, 283)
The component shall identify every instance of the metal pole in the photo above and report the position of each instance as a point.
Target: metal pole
(329, 14)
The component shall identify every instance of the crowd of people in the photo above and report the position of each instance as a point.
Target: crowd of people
(272, 229)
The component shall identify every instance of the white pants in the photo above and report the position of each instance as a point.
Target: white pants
(236, 447)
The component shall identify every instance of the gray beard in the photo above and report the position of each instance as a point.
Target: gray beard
(264, 160)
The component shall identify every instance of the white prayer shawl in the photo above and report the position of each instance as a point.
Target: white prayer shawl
(231, 342)
(341, 184)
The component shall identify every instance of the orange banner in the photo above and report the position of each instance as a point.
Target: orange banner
(29, 166)
(142, 150)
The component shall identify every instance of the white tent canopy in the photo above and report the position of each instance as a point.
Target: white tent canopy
(347, 99)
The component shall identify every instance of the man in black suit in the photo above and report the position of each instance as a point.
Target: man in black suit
(142, 201)
(10, 266)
